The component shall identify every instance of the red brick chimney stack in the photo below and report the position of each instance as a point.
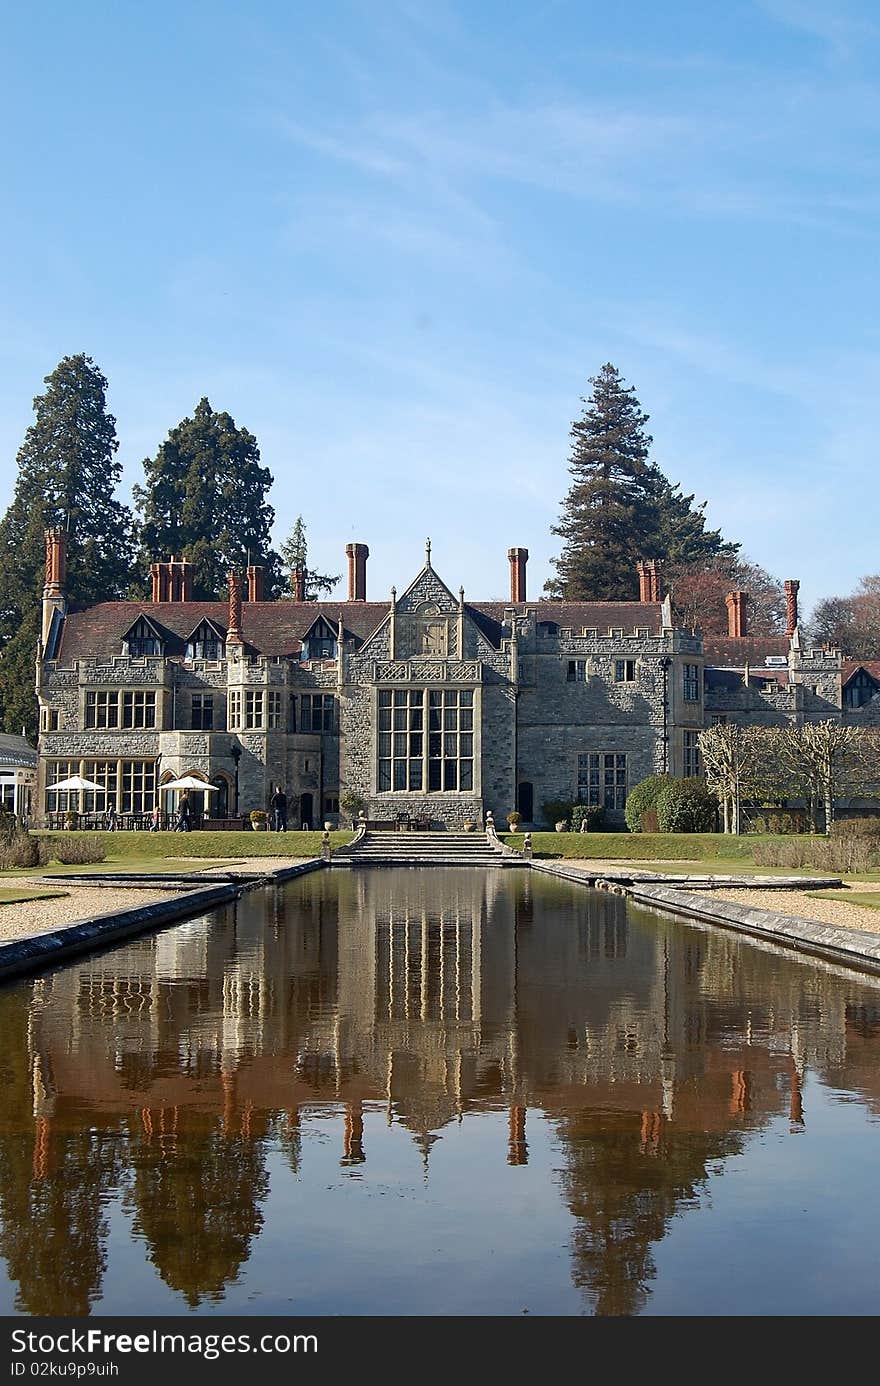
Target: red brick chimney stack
(737, 623)
(56, 562)
(234, 625)
(648, 570)
(256, 582)
(172, 581)
(299, 584)
(518, 559)
(791, 605)
(357, 571)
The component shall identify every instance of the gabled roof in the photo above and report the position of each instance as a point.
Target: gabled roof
(269, 628)
(851, 667)
(143, 616)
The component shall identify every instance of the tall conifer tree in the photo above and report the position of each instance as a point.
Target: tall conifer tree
(205, 499)
(620, 507)
(67, 475)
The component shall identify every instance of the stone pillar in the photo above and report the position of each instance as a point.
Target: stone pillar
(737, 622)
(518, 558)
(256, 583)
(791, 605)
(357, 571)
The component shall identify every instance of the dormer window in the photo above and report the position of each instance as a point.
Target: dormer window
(142, 639)
(320, 642)
(206, 642)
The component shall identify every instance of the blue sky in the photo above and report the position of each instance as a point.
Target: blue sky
(394, 240)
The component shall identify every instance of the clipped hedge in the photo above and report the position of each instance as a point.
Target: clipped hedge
(686, 806)
(642, 799)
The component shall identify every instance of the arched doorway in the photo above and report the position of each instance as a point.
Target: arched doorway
(306, 810)
(220, 800)
(525, 801)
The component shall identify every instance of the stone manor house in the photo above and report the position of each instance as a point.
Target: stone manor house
(425, 704)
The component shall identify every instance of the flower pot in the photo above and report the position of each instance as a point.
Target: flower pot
(562, 827)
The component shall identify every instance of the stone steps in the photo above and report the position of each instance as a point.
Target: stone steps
(423, 849)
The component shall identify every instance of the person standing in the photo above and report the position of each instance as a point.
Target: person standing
(111, 819)
(184, 813)
(278, 805)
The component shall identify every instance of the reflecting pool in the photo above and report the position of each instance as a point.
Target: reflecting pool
(440, 1092)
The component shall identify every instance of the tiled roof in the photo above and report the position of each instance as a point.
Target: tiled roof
(278, 628)
(732, 652)
(15, 750)
(269, 628)
(578, 616)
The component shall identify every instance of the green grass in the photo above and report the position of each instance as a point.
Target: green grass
(870, 899)
(9, 896)
(146, 846)
(645, 847)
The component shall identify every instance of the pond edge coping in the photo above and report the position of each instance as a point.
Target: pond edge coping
(38, 951)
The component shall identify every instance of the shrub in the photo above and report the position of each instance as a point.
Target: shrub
(587, 818)
(686, 806)
(839, 853)
(19, 850)
(74, 851)
(259, 819)
(556, 810)
(641, 799)
(856, 827)
(513, 820)
(352, 804)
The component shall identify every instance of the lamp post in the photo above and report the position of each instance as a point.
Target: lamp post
(236, 756)
(665, 666)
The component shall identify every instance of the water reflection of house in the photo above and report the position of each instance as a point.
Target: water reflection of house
(649, 1048)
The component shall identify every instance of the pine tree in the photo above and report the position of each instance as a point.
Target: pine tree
(67, 475)
(295, 557)
(620, 507)
(205, 499)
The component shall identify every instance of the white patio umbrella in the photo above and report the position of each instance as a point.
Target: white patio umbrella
(79, 783)
(190, 782)
(75, 782)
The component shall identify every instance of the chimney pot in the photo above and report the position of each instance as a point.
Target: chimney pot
(518, 559)
(737, 623)
(357, 571)
(256, 582)
(648, 570)
(234, 624)
(791, 605)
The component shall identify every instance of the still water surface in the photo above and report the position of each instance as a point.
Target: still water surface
(440, 1092)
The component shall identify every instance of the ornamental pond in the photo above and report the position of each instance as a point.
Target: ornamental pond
(440, 1092)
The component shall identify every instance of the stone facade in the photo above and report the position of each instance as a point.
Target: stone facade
(424, 705)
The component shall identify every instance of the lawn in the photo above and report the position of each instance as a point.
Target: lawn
(869, 898)
(9, 896)
(146, 846)
(645, 847)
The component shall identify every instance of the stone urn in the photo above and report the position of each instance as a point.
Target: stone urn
(562, 826)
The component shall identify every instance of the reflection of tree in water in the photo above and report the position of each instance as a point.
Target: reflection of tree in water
(54, 1185)
(196, 1204)
(626, 1176)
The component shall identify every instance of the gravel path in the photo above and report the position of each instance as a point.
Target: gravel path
(84, 902)
(804, 903)
(39, 916)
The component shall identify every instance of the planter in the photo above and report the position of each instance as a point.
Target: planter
(562, 827)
